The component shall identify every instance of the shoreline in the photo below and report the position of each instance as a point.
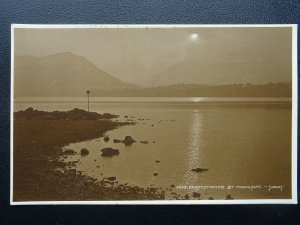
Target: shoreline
(38, 141)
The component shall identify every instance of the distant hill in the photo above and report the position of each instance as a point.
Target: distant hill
(220, 73)
(195, 90)
(63, 74)
(66, 74)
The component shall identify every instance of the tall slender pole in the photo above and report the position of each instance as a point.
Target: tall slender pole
(88, 94)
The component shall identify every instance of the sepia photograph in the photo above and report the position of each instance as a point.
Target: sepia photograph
(153, 114)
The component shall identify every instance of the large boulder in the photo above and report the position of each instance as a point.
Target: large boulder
(128, 140)
(109, 152)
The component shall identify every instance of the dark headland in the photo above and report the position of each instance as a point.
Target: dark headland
(39, 175)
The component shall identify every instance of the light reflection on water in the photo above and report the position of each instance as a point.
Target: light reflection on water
(194, 148)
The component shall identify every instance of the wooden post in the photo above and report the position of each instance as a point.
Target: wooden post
(88, 94)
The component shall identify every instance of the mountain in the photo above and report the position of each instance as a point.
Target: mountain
(220, 73)
(275, 90)
(63, 74)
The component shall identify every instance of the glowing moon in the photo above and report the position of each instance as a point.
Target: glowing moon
(194, 37)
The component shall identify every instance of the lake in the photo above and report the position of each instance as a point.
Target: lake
(245, 143)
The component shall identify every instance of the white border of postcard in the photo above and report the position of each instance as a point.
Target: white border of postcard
(293, 200)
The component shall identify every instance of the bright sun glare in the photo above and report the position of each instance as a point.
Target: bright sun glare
(194, 37)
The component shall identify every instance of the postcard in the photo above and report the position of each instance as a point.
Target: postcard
(154, 114)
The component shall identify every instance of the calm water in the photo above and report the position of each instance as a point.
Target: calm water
(241, 141)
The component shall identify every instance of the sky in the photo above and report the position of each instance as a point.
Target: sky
(137, 54)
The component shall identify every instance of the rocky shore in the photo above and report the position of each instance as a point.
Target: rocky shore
(39, 175)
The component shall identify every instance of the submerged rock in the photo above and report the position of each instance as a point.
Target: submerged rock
(84, 152)
(128, 140)
(199, 170)
(155, 174)
(108, 152)
(157, 161)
